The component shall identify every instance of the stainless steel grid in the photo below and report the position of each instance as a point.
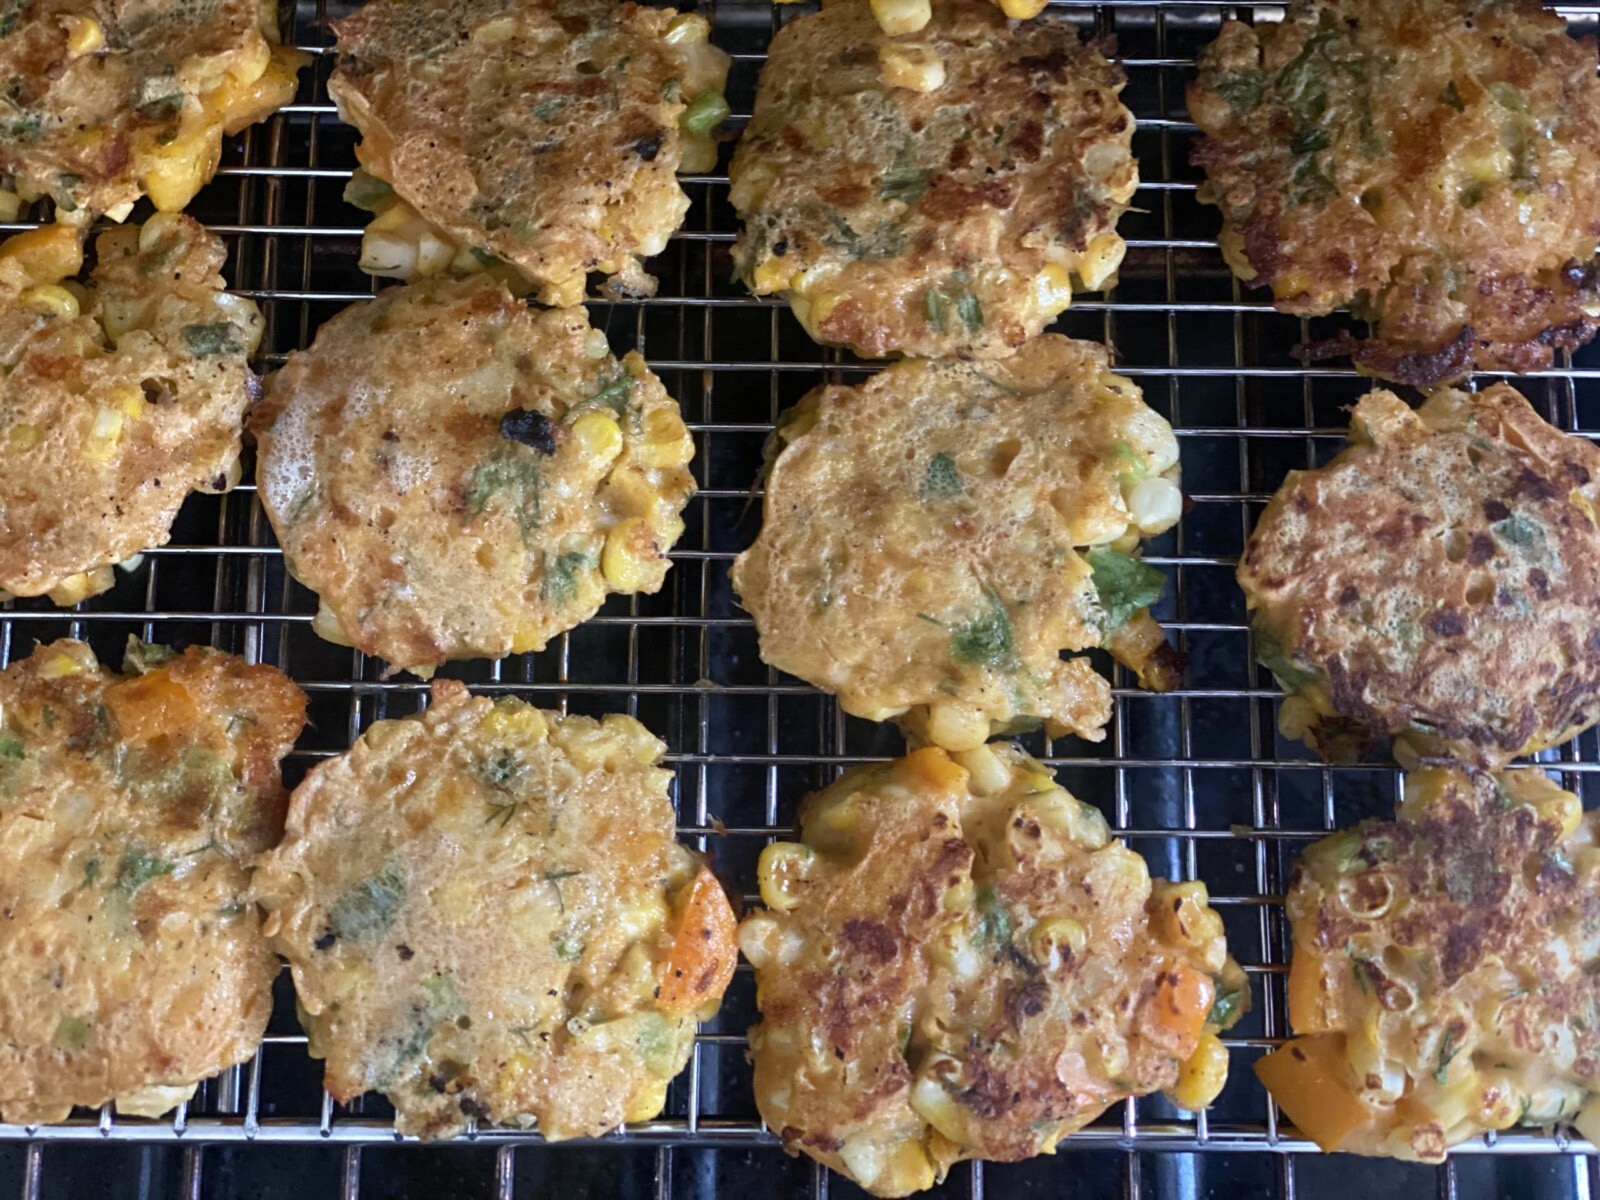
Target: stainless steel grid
(1197, 779)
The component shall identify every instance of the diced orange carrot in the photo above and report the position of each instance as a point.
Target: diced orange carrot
(1312, 1082)
(1176, 1011)
(150, 706)
(704, 948)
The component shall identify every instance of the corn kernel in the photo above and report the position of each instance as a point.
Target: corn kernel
(50, 299)
(564, 293)
(129, 400)
(1101, 260)
(1289, 284)
(529, 638)
(895, 17)
(1052, 289)
(58, 666)
(957, 726)
(686, 29)
(666, 441)
(915, 66)
(1056, 940)
(84, 35)
(822, 307)
(179, 169)
(47, 254)
(647, 1103)
(1202, 1074)
(782, 868)
(103, 434)
(771, 275)
(598, 438)
(515, 722)
(630, 558)
(1022, 10)
(23, 437)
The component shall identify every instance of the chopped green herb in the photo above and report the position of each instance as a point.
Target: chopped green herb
(369, 906)
(502, 770)
(161, 108)
(705, 112)
(140, 656)
(138, 868)
(1453, 97)
(516, 473)
(204, 341)
(942, 478)
(10, 14)
(366, 191)
(615, 392)
(1309, 184)
(1134, 467)
(546, 109)
(904, 180)
(558, 583)
(1472, 195)
(91, 872)
(1509, 97)
(72, 1034)
(970, 310)
(1125, 585)
(1241, 89)
(986, 640)
(500, 813)
(20, 125)
(483, 257)
(11, 748)
(1225, 1008)
(1449, 1047)
(885, 241)
(568, 947)
(995, 926)
(939, 302)
(1519, 531)
(672, 89)
(1271, 654)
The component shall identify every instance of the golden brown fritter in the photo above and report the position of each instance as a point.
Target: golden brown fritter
(458, 476)
(109, 100)
(934, 538)
(950, 213)
(117, 400)
(132, 964)
(957, 961)
(1435, 582)
(546, 133)
(1445, 979)
(1433, 165)
(487, 916)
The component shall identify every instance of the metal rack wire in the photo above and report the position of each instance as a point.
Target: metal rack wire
(1196, 779)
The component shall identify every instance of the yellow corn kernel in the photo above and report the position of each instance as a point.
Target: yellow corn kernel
(393, 215)
(1563, 808)
(261, 89)
(647, 1103)
(1055, 940)
(666, 441)
(1052, 289)
(1101, 260)
(23, 437)
(129, 400)
(771, 275)
(84, 35)
(782, 868)
(1290, 283)
(629, 559)
(564, 293)
(935, 768)
(58, 666)
(598, 437)
(1202, 1074)
(1022, 10)
(178, 170)
(47, 254)
(822, 307)
(515, 722)
(51, 299)
(957, 726)
(895, 17)
(915, 66)
(104, 434)
(686, 29)
(529, 638)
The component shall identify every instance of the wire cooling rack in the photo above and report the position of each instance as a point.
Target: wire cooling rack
(1196, 779)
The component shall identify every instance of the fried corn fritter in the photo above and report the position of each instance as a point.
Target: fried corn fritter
(458, 476)
(542, 133)
(118, 399)
(112, 100)
(1435, 583)
(936, 199)
(934, 538)
(1432, 165)
(132, 963)
(487, 916)
(1444, 980)
(957, 961)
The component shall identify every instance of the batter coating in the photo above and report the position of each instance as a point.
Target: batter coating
(1432, 165)
(559, 159)
(935, 199)
(458, 476)
(117, 400)
(487, 916)
(110, 100)
(1435, 583)
(934, 538)
(1443, 981)
(132, 963)
(958, 961)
